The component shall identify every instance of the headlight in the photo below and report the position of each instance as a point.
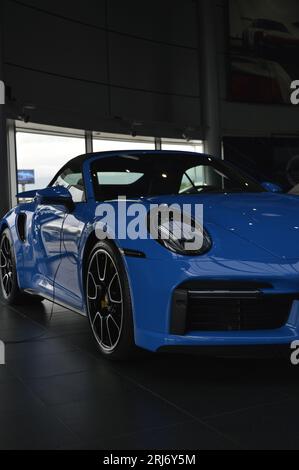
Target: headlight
(180, 234)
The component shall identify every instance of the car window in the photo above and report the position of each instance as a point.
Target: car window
(72, 179)
(204, 176)
(174, 173)
(118, 177)
(192, 177)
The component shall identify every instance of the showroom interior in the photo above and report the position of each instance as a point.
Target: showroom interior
(103, 75)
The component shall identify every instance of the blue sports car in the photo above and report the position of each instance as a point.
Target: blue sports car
(239, 286)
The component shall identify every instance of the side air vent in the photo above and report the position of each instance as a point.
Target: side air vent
(21, 226)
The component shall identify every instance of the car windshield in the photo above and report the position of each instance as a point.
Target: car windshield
(270, 25)
(134, 175)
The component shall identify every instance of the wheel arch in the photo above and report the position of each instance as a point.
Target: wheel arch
(3, 226)
(90, 242)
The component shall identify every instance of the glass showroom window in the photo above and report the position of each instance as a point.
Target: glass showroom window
(191, 146)
(40, 156)
(106, 142)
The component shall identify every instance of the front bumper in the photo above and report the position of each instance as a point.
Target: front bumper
(153, 283)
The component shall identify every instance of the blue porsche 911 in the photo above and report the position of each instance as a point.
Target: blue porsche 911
(238, 287)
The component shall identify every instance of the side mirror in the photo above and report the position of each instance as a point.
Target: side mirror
(272, 187)
(58, 195)
(27, 194)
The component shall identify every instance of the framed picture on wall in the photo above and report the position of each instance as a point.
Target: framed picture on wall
(264, 48)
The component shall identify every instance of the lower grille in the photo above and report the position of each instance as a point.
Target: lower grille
(231, 314)
(228, 306)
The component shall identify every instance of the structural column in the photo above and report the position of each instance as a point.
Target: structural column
(209, 73)
(4, 166)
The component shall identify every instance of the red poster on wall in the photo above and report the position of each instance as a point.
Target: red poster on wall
(264, 50)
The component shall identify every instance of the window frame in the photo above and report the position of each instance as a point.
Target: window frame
(66, 166)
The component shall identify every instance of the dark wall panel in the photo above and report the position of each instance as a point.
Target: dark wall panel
(65, 95)
(87, 11)
(150, 107)
(173, 21)
(54, 45)
(92, 68)
(141, 64)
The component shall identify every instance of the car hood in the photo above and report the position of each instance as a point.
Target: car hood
(269, 221)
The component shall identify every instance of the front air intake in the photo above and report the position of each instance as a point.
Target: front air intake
(228, 307)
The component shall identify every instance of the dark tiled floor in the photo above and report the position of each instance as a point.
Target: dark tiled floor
(56, 392)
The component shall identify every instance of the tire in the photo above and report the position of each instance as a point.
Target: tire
(10, 292)
(108, 303)
(9, 288)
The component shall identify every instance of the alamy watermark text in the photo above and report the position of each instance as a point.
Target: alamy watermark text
(2, 92)
(2, 353)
